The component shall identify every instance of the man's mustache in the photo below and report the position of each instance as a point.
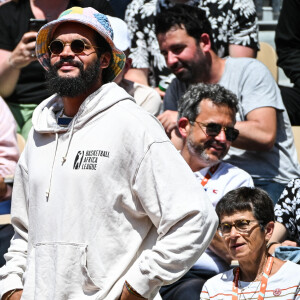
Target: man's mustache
(177, 65)
(214, 143)
(70, 61)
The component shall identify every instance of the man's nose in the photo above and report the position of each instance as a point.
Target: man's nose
(221, 137)
(67, 51)
(171, 59)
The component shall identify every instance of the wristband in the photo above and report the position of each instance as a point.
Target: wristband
(132, 291)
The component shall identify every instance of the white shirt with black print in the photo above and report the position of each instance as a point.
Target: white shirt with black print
(287, 209)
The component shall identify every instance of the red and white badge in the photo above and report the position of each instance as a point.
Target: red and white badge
(277, 292)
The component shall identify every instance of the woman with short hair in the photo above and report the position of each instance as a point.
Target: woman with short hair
(246, 223)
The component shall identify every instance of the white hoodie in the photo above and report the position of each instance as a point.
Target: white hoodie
(106, 199)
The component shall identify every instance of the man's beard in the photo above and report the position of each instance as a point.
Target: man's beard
(194, 71)
(72, 86)
(198, 150)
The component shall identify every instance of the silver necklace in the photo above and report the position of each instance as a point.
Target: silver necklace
(247, 287)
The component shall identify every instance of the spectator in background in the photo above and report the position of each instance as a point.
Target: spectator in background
(22, 79)
(265, 146)
(9, 155)
(119, 7)
(206, 123)
(287, 216)
(144, 96)
(246, 223)
(276, 5)
(287, 39)
(233, 22)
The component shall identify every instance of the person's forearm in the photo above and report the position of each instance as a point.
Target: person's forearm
(279, 234)
(138, 75)
(241, 51)
(252, 137)
(9, 74)
(13, 295)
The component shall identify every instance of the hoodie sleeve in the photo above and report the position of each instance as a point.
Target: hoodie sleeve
(180, 210)
(11, 274)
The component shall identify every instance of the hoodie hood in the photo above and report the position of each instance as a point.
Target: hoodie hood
(44, 119)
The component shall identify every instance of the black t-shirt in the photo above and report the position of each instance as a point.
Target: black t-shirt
(31, 87)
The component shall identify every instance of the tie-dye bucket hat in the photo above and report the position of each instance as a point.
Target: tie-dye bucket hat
(87, 16)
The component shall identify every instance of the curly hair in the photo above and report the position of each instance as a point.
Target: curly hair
(189, 102)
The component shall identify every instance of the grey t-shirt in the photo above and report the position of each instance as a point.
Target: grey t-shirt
(255, 87)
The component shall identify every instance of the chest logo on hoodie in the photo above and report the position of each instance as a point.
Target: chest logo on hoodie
(88, 160)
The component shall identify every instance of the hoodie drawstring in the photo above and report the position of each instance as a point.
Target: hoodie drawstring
(54, 155)
(64, 158)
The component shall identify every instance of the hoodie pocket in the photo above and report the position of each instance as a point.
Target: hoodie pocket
(59, 271)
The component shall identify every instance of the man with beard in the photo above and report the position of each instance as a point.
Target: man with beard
(206, 119)
(97, 206)
(265, 146)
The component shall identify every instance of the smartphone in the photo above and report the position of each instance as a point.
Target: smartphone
(36, 24)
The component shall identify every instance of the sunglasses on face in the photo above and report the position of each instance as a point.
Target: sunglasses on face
(77, 46)
(241, 226)
(213, 129)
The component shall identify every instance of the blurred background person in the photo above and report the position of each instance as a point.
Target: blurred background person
(9, 155)
(233, 23)
(285, 241)
(144, 95)
(276, 5)
(22, 79)
(287, 40)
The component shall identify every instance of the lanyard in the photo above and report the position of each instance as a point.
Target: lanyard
(209, 174)
(264, 280)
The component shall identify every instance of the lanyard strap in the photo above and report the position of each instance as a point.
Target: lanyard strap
(264, 280)
(209, 174)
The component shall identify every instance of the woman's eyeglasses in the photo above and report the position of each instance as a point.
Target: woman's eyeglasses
(241, 226)
(213, 129)
(77, 46)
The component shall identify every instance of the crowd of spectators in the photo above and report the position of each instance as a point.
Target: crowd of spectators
(192, 64)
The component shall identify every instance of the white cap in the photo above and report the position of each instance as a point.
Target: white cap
(121, 36)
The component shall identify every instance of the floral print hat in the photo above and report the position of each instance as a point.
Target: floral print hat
(87, 16)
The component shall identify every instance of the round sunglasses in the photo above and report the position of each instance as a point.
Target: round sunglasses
(77, 46)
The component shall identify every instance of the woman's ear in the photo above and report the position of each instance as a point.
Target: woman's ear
(269, 229)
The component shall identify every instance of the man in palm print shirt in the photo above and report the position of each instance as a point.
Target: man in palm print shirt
(233, 23)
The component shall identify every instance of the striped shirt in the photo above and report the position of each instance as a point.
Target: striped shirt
(283, 285)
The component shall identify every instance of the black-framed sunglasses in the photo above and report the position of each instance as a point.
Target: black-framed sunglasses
(241, 226)
(213, 129)
(77, 46)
